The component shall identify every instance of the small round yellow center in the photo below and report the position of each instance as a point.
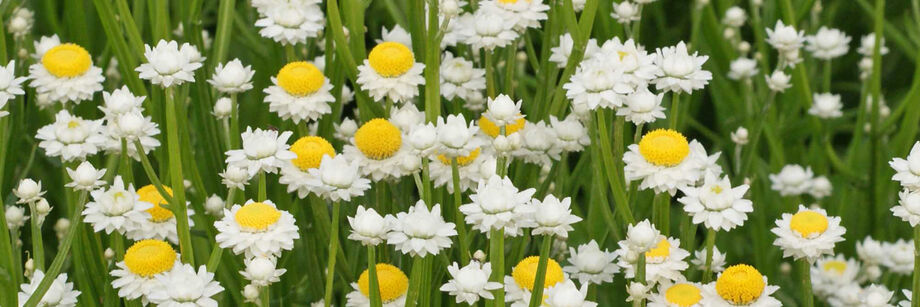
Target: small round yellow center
(462, 161)
(257, 216)
(808, 223)
(378, 139)
(150, 257)
(525, 273)
(310, 151)
(490, 129)
(392, 282)
(716, 189)
(73, 124)
(740, 284)
(300, 78)
(837, 266)
(391, 59)
(158, 213)
(662, 250)
(683, 295)
(67, 60)
(664, 147)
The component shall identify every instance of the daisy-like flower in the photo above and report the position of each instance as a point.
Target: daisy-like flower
(566, 294)
(136, 276)
(792, 180)
(503, 111)
(899, 256)
(456, 138)
(538, 144)
(716, 204)
(159, 222)
(679, 294)
(808, 233)
(785, 38)
(489, 29)
(28, 191)
(300, 92)
(552, 216)
(345, 130)
(827, 43)
(665, 161)
(778, 81)
(590, 264)
(597, 84)
(637, 65)
(235, 177)
(15, 217)
(115, 209)
(120, 101)
(420, 231)
(662, 263)
(183, 286)
(390, 72)
(519, 285)
(876, 296)
(393, 284)
(826, 105)
(85, 177)
(262, 271)
(734, 17)
(831, 273)
(290, 22)
(232, 77)
(498, 204)
(70, 137)
(477, 166)
(471, 282)
(60, 294)
(908, 208)
(525, 14)
(718, 260)
(846, 296)
(10, 85)
(310, 151)
(337, 179)
(66, 73)
(821, 187)
(908, 169)
(379, 147)
(867, 46)
(459, 79)
(256, 229)
(369, 227)
(743, 69)
(571, 134)
(561, 53)
(740, 285)
(642, 107)
(679, 71)
(263, 150)
(625, 12)
(170, 65)
(131, 126)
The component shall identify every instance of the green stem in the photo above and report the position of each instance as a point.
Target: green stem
(333, 247)
(178, 206)
(234, 123)
(38, 246)
(826, 84)
(808, 298)
(915, 294)
(710, 243)
(490, 75)
(151, 174)
(540, 278)
(372, 276)
(262, 187)
(76, 223)
(497, 258)
(675, 110)
(662, 206)
(611, 167)
(458, 217)
(640, 276)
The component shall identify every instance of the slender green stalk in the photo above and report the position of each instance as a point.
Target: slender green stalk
(372, 276)
(151, 174)
(808, 298)
(640, 277)
(611, 167)
(262, 187)
(826, 77)
(178, 206)
(234, 123)
(540, 278)
(674, 110)
(225, 14)
(662, 208)
(490, 75)
(915, 287)
(420, 273)
(458, 217)
(76, 221)
(38, 245)
(333, 247)
(433, 64)
(497, 258)
(710, 243)
(265, 296)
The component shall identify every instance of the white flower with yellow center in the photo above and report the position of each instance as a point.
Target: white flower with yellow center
(718, 260)
(459, 79)
(740, 285)
(379, 147)
(524, 13)
(421, 231)
(471, 282)
(590, 264)
(369, 227)
(678, 294)
(519, 285)
(488, 29)
(70, 137)
(136, 276)
(498, 204)
(907, 170)
(183, 286)
(392, 282)
(908, 208)
(679, 71)
(232, 77)
(390, 72)
(785, 38)
(66, 73)
(826, 105)
(637, 65)
(256, 229)
(566, 294)
(561, 53)
(10, 85)
(60, 294)
(262, 271)
(168, 64)
(553, 216)
(831, 273)
(665, 161)
(792, 180)
(300, 92)
(827, 43)
(309, 151)
(290, 22)
(716, 204)
(263, 151)
(473, 168)
(808, 233)
(899, 256)
(597, 84)
(159, 222)
(663, 262)
(337, 179)
(642, 106)
(115, 209)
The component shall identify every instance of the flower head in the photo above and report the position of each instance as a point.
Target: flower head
(168, 64)
(590, 264)
(471, 282)
(232, 77)
(421, 231)
(807, 233)
(263, 151)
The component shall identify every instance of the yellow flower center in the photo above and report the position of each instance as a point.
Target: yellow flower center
(664, 147)
(662, 250)
(378, 139)
(622, 54)
(836, 266)
(310, 151)
(683, 295)
(73, 124)
(158, 213)
(525, 273)
(490, 129)
(150, 257)
(67, 60)
(391, 59)
(740, 284)
(462, 161)
(716, 189)
(392, 282)
(300, 78)
(808, 223)
(257, 216)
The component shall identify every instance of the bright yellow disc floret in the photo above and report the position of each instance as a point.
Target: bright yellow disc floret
(462, 161)
(149, 193)
(683, 295)
(525, 273)
(391, 59)
(740, 284)
(378, 139)
(310, 151)
(664, 147)
(150, 257)
(662, 250)
(257, 216)
(392, 282)
(67, 60)
(492, 130)
(808, 223)
(836, 266)
(300, 78)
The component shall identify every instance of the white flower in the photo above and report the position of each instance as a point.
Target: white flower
(718, 260)
(743, 69)
(716, 204)
(566, 294)
(676, 294)
(498, 204)
(489, 29)
(524, 14)
(338, 179)
(168, 64)
(571, 134)
(21, 22)
(115, 209)
(70, 137)
(290, 22)
(642, 236)
(664, 262)
(478, 165)
(642, 107)
(867, 46)
(808, 233)
(740, 136)
(120, 101)
(423, 138)
(820, 187)
(159, 222)
(590, 264)
(876, 296)
(421, 231)
(908, 208)
(137, 275)
(222, 108)
(898, 256)
(637, 65)
(455, 137)
(65, 73)
(235, 177)
(561, 53)
(60, 294)
(232, 77)
(778, 81)
(28, 191)
(299, 92)
(597, 84)
(390, 72)
(739, 284)
(831, 273)
(10, 85)
(792, 180)
(785, 38)
(15, 217)
(379, 147)
(85, 177)
(263, 150)
(256, 229)
(908, 169)
(679, 71)
(369, 227)
(871, 252)
(261, 271)
(345, 130)
(132, 126)
(664, 161)
(396, 34)
(471, 282)
(637, 291)
(552, 216)
(827, 43)
(734, 17)
(503, 111)
(214, 205)
(459, 79)
(625, 12)
(184, 287)
(826, 105)
(846, 296)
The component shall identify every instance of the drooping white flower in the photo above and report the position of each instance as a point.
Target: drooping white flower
(60, 294)
(263, 151)
(470, 282)
(827, 43)
(232, 77)
(679, 71)
(169, 65)
(369, 227)
(792, 180)
(826, 105)
(256, 229)
(590, 264)
(808, 233)
(421, 231)
(499, 205)
(183, 286)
